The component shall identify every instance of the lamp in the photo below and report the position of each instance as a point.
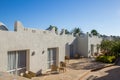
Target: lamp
(33, 53)
(43, 52)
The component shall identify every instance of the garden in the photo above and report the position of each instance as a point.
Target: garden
(110, 51)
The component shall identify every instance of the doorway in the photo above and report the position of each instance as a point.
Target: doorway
(52, 57)
(17, 62)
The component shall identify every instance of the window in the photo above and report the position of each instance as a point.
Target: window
(12, 62)
(16, 61)
(51, 57)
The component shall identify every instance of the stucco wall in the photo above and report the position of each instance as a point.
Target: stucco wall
(93, 40)
(35, 41)
(82, 45)
(38, 41)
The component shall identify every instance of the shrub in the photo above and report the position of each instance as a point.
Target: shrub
(106, 59)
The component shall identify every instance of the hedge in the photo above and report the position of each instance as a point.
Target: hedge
(106, 59)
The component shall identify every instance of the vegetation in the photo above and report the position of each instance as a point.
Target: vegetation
(76, 31)
(50, 27)
(94, 32)
(110, 50)
(67, 32)
(106, 59)
(111, 47)
(107, 46)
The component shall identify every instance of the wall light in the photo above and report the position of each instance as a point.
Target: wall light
(43, 52)
(33, 53)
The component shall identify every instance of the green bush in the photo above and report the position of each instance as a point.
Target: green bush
(106, 59)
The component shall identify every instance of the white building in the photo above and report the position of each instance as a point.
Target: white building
(35, 50)
(88, 45)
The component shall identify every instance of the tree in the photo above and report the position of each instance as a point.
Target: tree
(116, 48)
(50, 27)
(107, 46)
(104, 46)
(67, 32)
(111, 47)
(76, 31)
(94, 32)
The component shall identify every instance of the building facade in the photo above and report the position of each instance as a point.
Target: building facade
(88, 45)
(36, 50)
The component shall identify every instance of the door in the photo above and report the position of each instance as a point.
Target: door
(52, 54)
(17, 62)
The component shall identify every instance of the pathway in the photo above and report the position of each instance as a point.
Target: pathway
(109, 73)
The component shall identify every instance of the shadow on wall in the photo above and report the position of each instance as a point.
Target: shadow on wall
(113, 74)
(67, 49)
(71, 49)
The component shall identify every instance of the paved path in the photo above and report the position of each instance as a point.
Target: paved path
(110, 73)
(69, 75)
(76, 68)
(7, 76)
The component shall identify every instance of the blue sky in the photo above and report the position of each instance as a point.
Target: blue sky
(102, 15)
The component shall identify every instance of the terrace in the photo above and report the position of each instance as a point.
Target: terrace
(76, 69)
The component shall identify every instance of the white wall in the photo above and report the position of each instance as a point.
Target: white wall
(32, 40)
(84, 44)
(40, 40)
(93, 40)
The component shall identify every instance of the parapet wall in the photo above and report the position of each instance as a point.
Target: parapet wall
(20, 28)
